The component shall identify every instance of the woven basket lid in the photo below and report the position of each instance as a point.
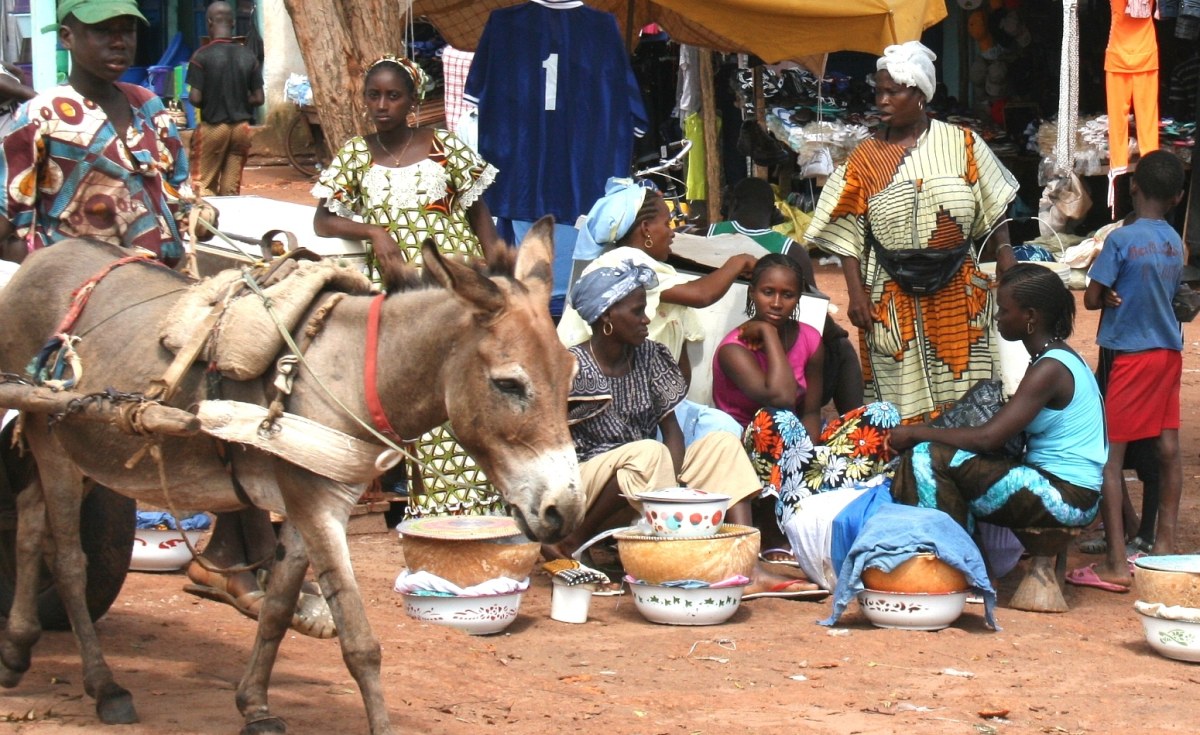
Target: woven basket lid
(460, 528)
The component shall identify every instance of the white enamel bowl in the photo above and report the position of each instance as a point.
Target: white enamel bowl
(1177, 639)
(683, 511)
(161, 551)
(678, 606)
(911, 610)
(475, 615)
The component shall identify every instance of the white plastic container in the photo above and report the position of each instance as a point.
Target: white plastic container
(570, 603)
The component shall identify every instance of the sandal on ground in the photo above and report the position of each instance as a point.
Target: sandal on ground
(1087, 577)
(792, 589)
(312, 617)
(608, 589)
(779, 555)
(1100, 546)
(214, 586)
(1139, 545)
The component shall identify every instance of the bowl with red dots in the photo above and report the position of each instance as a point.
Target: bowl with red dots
(683, 511)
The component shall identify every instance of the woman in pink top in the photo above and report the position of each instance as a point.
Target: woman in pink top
(767, 375)
(771, 361)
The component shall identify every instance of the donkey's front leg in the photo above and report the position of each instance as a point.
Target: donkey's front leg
(62, 488)
(274, 619)
(322, 508)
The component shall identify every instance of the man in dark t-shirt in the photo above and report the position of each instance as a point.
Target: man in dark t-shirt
(226, 85)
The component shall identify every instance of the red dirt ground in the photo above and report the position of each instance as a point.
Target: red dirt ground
(769, 670)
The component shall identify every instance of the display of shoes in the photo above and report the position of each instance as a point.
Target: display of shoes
(756, 143)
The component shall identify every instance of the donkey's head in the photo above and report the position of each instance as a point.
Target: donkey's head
(507, 394)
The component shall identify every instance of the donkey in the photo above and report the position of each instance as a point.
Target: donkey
(479, 351)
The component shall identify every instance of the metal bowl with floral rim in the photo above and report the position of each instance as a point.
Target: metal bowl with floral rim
(478, 615)
(912, 610)
(683, 606)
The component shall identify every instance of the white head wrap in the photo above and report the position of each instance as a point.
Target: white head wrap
(910, 64)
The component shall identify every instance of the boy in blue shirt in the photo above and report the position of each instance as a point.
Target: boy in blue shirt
(1134, 279)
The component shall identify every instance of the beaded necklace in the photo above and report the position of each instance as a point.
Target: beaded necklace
(1042, 350)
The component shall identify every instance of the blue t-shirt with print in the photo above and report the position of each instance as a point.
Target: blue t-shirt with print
(1142, 262)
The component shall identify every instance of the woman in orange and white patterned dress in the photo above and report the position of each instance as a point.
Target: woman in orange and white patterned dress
(921, 185)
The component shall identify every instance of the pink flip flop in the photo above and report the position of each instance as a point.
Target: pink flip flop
(1087, 577)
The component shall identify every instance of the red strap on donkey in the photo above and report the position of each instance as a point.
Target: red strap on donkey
(81, 295)
(370, 372)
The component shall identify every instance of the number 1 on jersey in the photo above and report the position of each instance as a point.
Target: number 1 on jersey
(551, 67)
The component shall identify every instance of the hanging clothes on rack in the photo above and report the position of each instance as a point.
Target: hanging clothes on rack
(559, 107)
(1131, 76)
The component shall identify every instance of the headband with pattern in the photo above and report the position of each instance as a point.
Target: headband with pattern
(414, 70)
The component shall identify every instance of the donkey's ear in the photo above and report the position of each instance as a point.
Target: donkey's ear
(463, 280)
(535, 258)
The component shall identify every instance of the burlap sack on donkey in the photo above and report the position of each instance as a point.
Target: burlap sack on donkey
(246, 339)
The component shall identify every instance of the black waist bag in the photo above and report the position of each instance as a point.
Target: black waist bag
(920, 271)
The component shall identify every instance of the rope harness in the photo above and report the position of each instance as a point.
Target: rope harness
(58, 354)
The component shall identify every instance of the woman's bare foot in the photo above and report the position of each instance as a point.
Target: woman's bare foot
(1119, 576)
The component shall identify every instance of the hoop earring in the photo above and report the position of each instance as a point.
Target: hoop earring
(649, 244)
(921, 105)
(607, 329)
(751, 310)
(411, 119)
(1028, 327)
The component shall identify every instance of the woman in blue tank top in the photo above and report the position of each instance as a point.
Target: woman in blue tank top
(1056, 481)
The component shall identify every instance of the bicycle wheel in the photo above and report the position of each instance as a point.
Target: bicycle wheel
(299, 146)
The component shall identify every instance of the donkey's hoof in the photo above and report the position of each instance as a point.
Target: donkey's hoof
(114, 706)
(9, 678)
(14, 662)
(266, 726)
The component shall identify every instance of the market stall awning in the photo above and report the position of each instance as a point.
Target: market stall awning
(774, 30)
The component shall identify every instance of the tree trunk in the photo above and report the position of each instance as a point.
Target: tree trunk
(712, 135)
(338, 40)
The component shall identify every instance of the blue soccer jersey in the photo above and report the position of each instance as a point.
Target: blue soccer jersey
(558, 107)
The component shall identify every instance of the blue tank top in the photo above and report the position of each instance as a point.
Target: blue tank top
(1071, 443)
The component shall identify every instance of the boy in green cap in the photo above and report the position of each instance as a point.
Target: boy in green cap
(95, 157)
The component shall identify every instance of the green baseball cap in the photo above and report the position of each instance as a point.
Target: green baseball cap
(98, 11)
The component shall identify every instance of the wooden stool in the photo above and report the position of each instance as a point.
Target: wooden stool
(1041, 589)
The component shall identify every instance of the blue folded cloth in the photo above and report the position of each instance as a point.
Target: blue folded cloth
(1031, 253)
(848, 523)
(147, 519)
(895, 534)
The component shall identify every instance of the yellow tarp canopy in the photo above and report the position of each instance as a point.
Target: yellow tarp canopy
(774, 30)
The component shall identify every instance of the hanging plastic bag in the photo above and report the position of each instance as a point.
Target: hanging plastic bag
(1064, 203)
(1186, 303)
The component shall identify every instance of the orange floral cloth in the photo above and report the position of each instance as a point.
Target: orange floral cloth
(851, 452)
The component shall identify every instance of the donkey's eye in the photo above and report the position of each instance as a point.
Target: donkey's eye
(510, 386)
